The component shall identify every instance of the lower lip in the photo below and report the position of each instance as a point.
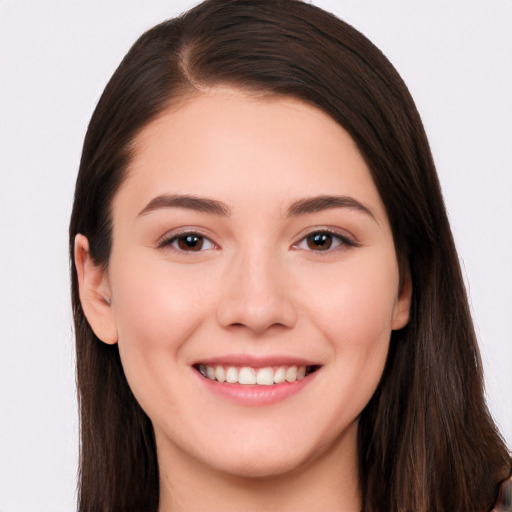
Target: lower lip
(257, 395)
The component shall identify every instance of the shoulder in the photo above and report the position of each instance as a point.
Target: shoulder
(504, 501)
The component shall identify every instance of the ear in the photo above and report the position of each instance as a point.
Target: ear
(94, 291)
(402, 308)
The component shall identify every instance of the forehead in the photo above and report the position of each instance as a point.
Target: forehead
(231, 145)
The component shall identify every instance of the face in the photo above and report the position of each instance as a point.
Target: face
(253, 283)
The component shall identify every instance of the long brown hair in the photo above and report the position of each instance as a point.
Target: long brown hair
(426, 439)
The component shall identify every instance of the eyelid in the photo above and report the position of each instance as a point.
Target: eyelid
(170, 236)
(346, 239)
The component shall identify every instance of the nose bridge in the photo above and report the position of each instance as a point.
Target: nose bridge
(255, 294)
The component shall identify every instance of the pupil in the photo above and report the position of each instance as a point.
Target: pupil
(320, 241)
(190, 242)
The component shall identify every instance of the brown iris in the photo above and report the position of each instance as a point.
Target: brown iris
(190, 242)
(319, 241)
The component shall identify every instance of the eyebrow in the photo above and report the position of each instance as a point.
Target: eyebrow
(326, 202)
(207, 205)
(189, 202)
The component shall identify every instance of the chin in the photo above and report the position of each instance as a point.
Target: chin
(270, 458)
(258, 467)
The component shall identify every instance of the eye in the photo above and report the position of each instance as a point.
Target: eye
(320, 241)
(188, 242)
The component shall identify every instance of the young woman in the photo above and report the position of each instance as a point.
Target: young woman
(269, 309)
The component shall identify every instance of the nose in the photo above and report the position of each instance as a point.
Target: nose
(256, 295)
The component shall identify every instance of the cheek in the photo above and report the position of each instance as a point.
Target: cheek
(156, 311)
(356, 303)
(354, 313)
(155, 305)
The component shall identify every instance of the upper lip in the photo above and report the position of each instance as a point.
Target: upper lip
(256, 361)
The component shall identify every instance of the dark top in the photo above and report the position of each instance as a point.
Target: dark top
(504, 501)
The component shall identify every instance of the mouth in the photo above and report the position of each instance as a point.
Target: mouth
(250, 376)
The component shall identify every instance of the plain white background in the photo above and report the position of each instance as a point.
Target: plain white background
(55, 59)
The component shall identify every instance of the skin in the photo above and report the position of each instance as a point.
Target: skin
(257, 288)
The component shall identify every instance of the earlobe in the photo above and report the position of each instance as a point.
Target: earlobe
(402, 309)
(95, 293)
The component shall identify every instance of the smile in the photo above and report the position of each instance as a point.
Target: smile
(247, 375)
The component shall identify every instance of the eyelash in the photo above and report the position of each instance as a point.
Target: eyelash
(342, 240)
(339, 240)
(174, 239)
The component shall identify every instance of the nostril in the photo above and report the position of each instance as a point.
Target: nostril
(257, 310)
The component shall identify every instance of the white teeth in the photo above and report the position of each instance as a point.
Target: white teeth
(280, 375)
(291, 374)
(232, 375)
(250, 376)
(220, 374)
(265, 377)
(247, 376)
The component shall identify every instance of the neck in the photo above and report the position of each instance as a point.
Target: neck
(327, 481)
